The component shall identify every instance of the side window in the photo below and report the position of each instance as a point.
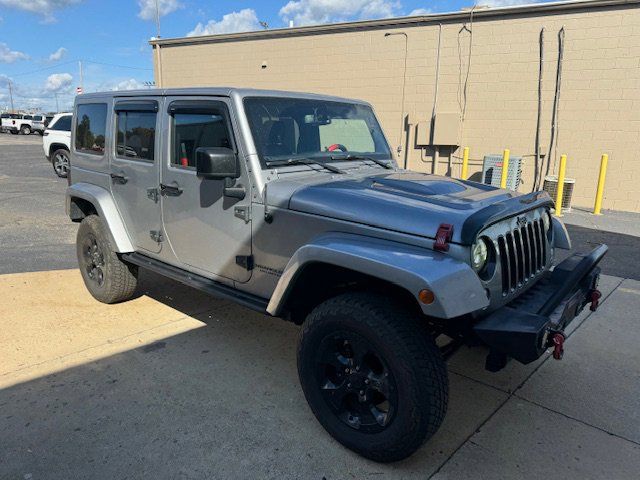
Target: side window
(136, 135)
(194, 130)
(62, 124)
(91, 128)
(27, 117)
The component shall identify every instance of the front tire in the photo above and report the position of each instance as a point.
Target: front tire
(371, 374)
(60, 162)
(106, 276)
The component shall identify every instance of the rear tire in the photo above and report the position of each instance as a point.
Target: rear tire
(106, 276)
(371, 374)
(60, 162)
(25, 130)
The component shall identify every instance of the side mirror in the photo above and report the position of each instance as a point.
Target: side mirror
(217, 163)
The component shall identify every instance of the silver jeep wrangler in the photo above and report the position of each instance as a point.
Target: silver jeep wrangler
(291, 204)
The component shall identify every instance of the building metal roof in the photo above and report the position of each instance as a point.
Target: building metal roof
(479, 12)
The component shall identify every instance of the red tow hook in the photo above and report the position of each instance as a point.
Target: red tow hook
(595, 297)
(558, 345)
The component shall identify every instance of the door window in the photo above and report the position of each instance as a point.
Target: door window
(194, 130)
(136, 135)
(91, 128)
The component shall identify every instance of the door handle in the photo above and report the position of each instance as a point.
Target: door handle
(119, 178)
(170, 190)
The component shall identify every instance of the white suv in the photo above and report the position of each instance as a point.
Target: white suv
(56, 141)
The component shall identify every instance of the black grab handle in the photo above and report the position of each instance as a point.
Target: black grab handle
(170, 190)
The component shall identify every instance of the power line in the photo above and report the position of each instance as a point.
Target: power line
(119, 66)
(43, 69)
(58, 65)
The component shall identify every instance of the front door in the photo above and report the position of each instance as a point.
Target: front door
(203, 226)
(134, 170)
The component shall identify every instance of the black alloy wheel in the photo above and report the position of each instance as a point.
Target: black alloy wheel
(356, 382)
(93, 260)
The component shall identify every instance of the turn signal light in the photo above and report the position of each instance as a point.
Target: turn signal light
(426, 296)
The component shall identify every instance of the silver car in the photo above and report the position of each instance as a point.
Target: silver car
(292, 205)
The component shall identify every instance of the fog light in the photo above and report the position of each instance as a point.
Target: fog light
(426, 296)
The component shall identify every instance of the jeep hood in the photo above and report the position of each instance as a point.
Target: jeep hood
(414, 203)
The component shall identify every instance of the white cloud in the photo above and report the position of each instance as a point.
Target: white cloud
(243, 21)
(58, 82)
(58, 54)
(420, 11)
(9, 56)
(130, 84)
(310, 12)
(42, 7)
(165, 7)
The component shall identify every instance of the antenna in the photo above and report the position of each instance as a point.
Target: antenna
(81, 76)
(157, 19)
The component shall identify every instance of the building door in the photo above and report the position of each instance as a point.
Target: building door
(200, 222)
(135, 170)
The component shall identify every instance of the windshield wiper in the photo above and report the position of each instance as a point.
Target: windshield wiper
(304, 161)
(382, 163)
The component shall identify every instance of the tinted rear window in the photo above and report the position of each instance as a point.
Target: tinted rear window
(63, 124)
(91, 127)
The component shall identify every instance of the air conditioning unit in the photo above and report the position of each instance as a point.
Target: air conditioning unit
(492, 171)
(551, 187)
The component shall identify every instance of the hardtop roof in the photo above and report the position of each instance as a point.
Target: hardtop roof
(211, 91)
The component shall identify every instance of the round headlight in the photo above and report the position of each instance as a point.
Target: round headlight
(546, 220)
(479, 254)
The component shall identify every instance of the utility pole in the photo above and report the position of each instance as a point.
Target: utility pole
(81, 75)
(57, 105)
(11, 95)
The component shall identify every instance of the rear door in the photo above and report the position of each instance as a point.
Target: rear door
(206, 229)
(134, 169)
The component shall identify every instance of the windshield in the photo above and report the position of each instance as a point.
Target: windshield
(289, 128)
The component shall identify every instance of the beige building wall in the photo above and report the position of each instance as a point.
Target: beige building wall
(599, 108)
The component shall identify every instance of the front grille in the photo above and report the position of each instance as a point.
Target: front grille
(523, 254)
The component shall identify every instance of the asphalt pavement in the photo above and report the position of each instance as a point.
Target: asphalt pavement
(176, 384)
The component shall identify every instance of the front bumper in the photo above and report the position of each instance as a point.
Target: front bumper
(526, 327)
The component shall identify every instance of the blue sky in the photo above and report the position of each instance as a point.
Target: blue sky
(41, 41)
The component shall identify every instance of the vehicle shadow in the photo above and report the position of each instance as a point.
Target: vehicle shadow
(221, 400)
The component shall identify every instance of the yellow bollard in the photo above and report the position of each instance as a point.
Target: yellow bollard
(465, 163)
(603, 175)
(505, 168)
(560, 190)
